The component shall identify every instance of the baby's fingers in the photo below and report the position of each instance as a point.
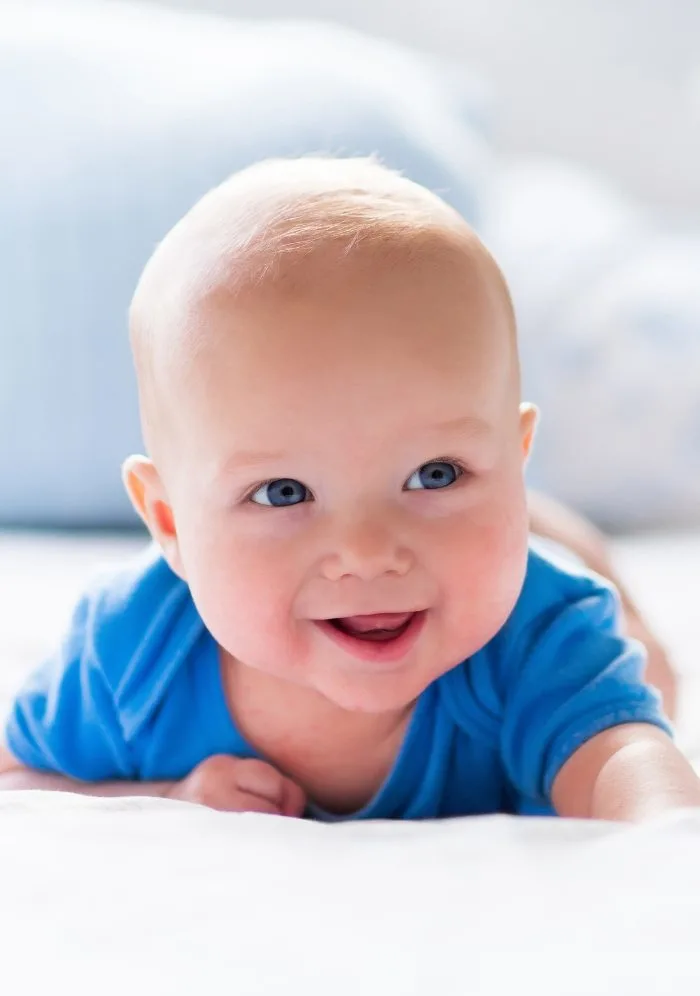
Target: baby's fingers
(262, 780)
(246, 802)
(293, 799)
(243, 785)
(257, 778)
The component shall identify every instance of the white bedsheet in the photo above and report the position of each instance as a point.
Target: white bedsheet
(159, 897)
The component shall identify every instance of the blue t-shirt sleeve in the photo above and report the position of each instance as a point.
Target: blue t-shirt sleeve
(65, 719)
(83, 713)
(569, 675)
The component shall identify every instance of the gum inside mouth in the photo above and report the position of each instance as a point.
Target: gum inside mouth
(384, 628)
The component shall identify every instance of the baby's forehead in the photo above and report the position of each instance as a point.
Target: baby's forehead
(299, 227)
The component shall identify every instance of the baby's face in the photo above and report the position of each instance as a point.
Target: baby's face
(348, 483)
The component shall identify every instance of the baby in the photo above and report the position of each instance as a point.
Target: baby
(343, 614)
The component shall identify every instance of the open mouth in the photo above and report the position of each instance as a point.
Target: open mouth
(379, 628)
(383, 636)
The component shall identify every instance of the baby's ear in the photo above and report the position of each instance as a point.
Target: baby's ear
(529, 417)
(145, 489)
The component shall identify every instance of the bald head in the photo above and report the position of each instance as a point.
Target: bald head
(288, 226)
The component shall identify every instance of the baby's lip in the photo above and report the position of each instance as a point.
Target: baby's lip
(379, 620)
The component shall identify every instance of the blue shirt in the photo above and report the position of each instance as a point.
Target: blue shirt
(135, 692)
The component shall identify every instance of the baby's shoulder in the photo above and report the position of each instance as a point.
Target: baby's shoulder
(565, 613)
(136, 622)
(561, 601)
(559, 593)
(555, 580)
(122, 600)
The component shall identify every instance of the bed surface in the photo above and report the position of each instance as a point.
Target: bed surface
(160, 897)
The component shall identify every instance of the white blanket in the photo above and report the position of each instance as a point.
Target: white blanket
(159, 897)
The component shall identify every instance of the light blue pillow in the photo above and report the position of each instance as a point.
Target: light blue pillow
(115, 120)
(621, 435)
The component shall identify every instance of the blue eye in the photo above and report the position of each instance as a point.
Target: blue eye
(280, 493)
(436, 474)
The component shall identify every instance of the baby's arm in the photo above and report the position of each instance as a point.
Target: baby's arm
(220, 782)
(630, 772)
(14, 775)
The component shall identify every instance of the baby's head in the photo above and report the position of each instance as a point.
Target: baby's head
(329, 387)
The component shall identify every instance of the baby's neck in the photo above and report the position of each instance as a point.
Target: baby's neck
(340, 758)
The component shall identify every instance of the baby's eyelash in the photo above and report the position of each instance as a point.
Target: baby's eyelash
(256, 487)
(448, 459)
(464, 471)
(248, 494)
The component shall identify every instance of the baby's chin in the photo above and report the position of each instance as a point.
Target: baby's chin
(376, 693)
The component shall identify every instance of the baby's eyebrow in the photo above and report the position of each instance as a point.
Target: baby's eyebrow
(242, 459)
(472, 424)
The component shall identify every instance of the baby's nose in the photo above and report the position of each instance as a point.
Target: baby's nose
(366, 549)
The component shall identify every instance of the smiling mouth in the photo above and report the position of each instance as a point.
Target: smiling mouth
(382, 638)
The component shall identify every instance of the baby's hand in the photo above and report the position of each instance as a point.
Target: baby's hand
(239, 785)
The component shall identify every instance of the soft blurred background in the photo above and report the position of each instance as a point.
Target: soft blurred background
(566, 131)
(615, 86)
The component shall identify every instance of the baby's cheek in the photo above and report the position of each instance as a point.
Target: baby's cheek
(484, 568)
(245, 602)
